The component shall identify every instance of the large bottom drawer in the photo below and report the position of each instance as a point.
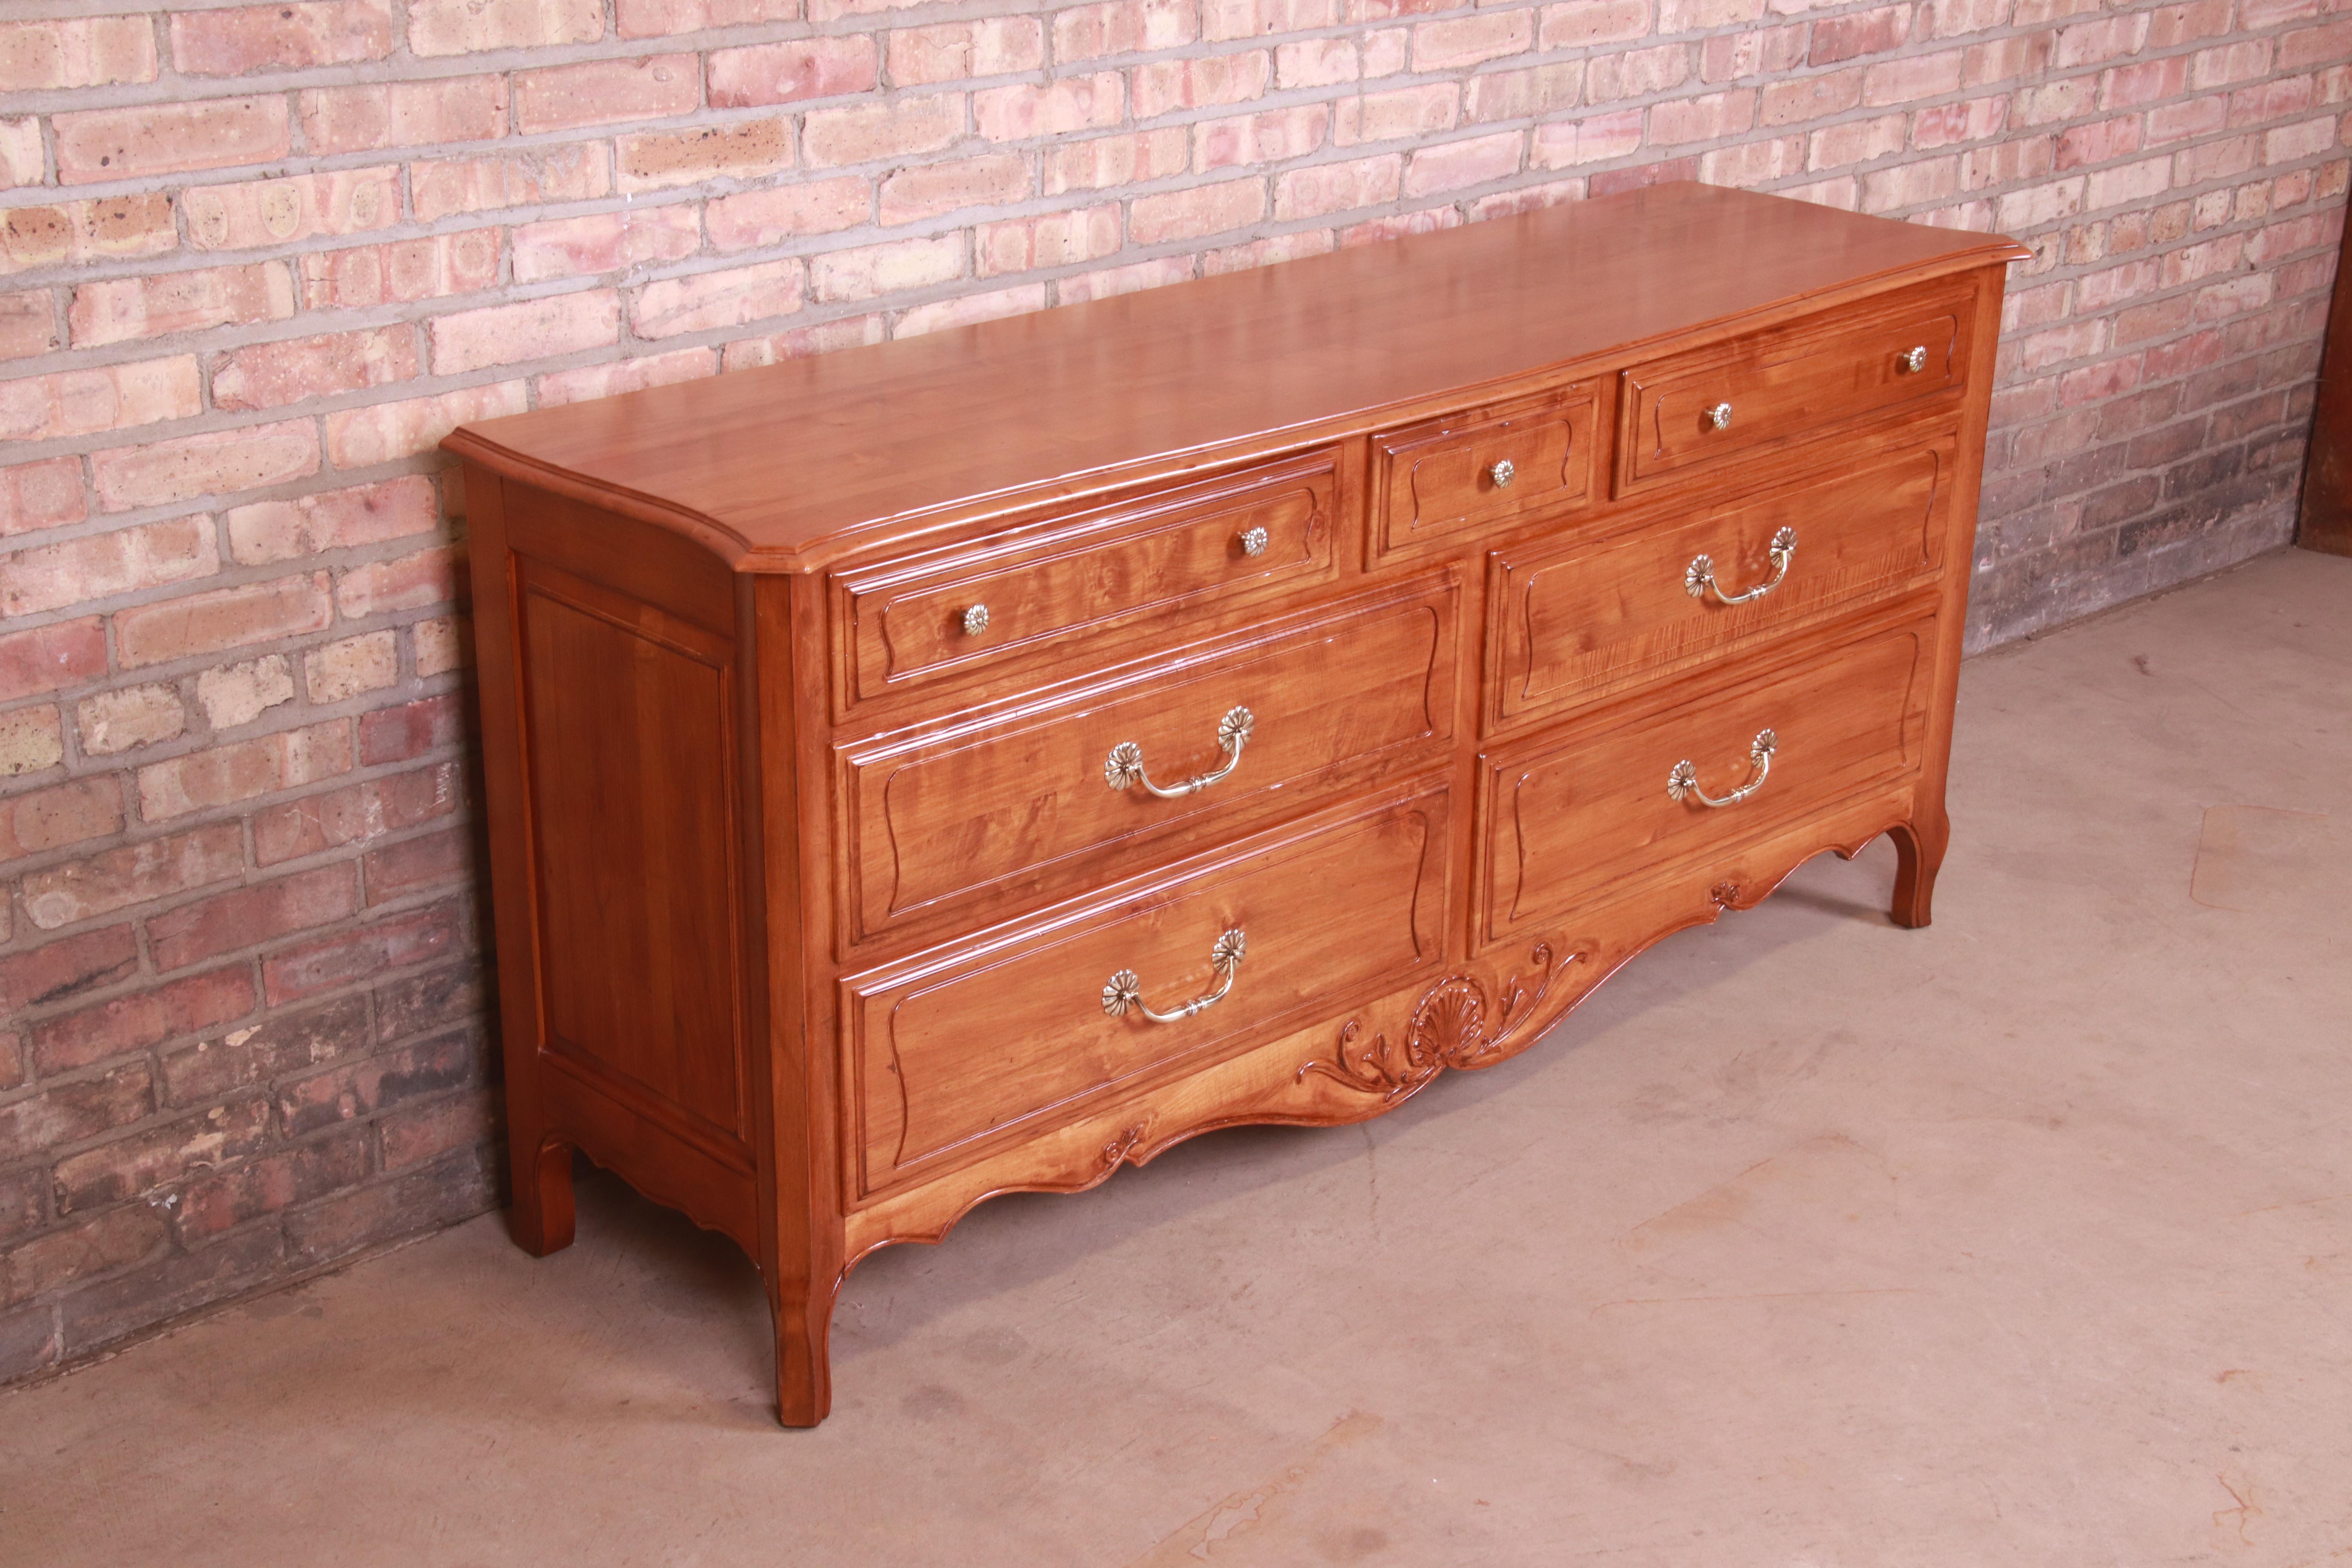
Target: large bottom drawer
(1627, 793)
(946, 1053)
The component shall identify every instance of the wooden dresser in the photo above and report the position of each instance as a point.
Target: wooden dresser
(979, 762)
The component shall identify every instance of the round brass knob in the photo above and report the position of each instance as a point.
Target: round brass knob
(1503, 473)
(1719, 416)
(975, 620)
(1254, 541)
(1915, 361)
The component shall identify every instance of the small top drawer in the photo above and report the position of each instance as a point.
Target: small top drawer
(923, 617)
(1483, 465)
(1695, 410)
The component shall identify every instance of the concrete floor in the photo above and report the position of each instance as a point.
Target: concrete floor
(2023, 1240)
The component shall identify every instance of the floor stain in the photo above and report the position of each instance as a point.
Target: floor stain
(1198, 1539)
(2252, 858)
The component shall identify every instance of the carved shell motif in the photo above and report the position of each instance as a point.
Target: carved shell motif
(1450, 1024)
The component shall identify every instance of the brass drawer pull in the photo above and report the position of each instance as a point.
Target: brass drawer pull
(1503, 473)
(1683, 783)
(1254, 541)
(1124, 766)
(1719, 416)
(975, 620)
(1124, 991)
(1915, 362)
(1699, 580)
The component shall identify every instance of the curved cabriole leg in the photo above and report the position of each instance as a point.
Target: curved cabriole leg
(541, 1221)
(804, 1372)
(1919, 852)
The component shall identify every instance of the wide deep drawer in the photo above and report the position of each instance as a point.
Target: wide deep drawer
(1606, 800)
(1575, 621)
(947, 1053)
(1021, 591)
(985, 816)
(1694, 410)
(1486, 466)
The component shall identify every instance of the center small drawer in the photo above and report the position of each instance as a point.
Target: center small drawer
(1631, 794)
(979, 817)
(1696, 410)
(1029, 1027)
(1485, 466)
(1015, 596)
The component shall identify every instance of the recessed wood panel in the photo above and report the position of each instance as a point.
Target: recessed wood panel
(981, 817)
(630, 715)
(1012, 1033)
(1487, 466)
(914, 620)
(1776, 387)
(1577, 621)
(1588, 806)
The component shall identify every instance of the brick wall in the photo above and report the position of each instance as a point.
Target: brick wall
(256, 261)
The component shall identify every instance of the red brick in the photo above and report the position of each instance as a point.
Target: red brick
(932, 190)
(427, 1133)
(654, 18)
(289, 36)
(134, 874)
(332, 520)
(1201, 210)
(869, 270)
(429, 860)
(394, 942)
(1615, 180)
(606, 93)
(107, 228)
(1121, 28)
(144, 1019)
(91, 402)
(893, 130)
(555, 389)
(438, 1194)
(1562, 143)
(754, 219)
(69, 813)
(356, 813)
(145, 1161)
(169, 138)
(285, 1041)
(1058, 108)
(534, 329)
(1636, 73)
(375, 116)
(284, 209)
(1052, 239)
(605, 242)
(270, 375)
(734, 297)
(72, 1111)
(395, 734)
(121, 309)
(467, 27)
(101, 566)
(792, 70)
(94, 1248)
(31, 740)
(223, 618)
(655, 160)
(2098, 143)
(262, 765)
(581, 171)
(27, 325)
(434, 576)
(1845, 38)
(954, 51)
(405, 270)
(218, 462)
(1105, 161)
(49, 657)
(44, 495)
(1577, 23)
(1272, 137)
(1455, 164)
(249, 916)
(1471, 40)
(384, 431)
(79, 51)
(217, 1202)
(68, 966)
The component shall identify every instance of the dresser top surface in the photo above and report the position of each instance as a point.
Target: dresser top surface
(793, 465)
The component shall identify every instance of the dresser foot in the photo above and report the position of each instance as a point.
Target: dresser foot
(803, 1370)
(541, 1219)
(1919, 852)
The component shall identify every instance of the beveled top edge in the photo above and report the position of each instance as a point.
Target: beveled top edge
(791, 467)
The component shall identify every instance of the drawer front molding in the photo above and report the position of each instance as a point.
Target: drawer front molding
(1485, 467)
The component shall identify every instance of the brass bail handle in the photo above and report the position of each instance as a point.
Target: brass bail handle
(1682, 783)
(1699, 579)
(1124, 991)
(1124, 766)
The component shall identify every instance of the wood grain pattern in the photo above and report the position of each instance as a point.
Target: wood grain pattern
(1786, 386)
(1440, 477)
(806, 897)
(1587, 807)
(2325, 519)
(795, 465)
(980, 817)
(1576, 620)
(986, 1040)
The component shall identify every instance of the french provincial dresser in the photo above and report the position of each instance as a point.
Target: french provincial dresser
(976, 763)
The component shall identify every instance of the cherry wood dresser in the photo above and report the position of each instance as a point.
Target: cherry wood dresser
(976, 763)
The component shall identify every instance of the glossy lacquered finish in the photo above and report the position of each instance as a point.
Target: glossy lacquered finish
(980, 762)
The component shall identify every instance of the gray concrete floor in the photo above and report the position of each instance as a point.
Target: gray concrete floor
(2023, 1240)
